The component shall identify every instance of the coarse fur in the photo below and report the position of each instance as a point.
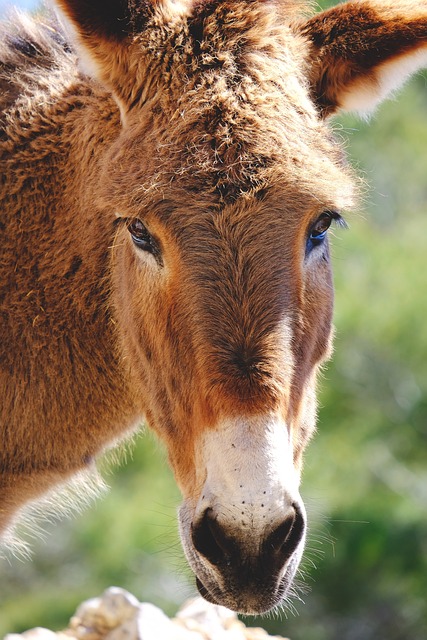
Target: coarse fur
(167, 177)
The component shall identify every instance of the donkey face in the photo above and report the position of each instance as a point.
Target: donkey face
(224, 181)
(227, 312)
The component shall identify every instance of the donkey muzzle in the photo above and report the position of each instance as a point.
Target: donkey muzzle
(244, 531)
(245, 570)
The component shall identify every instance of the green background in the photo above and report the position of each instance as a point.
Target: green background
(364, 575)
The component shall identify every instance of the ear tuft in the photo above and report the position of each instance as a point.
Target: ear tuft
(107, 19)
(361, 51)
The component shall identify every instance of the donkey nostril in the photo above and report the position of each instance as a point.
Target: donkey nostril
(286, 537)
(211, 541)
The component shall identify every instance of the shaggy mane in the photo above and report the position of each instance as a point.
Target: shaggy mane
(30, 46)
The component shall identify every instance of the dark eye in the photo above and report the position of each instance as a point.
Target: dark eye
(320, 228)
(141, 237)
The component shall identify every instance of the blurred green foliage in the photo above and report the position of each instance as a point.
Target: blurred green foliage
(365, 477)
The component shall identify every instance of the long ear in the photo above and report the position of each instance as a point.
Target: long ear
(103, 31)
(363, 50)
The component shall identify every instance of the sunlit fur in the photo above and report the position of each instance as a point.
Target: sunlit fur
(206, 121)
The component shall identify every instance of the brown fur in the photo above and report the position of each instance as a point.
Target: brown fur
(201, 123)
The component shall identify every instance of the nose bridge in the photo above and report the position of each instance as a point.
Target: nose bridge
(244, 342)
(238, 303)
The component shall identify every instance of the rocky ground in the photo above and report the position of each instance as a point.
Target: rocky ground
(117, 615)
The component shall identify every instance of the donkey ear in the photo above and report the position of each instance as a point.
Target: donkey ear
(102, 30)
(98, 19)
(363, 50)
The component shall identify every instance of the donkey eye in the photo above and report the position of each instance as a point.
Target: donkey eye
(141, 237)
(320, 228)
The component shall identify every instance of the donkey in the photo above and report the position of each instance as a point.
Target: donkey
(168, 179)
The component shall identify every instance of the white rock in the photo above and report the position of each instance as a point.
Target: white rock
(87, 614)
(117, 615)
(153, 624)
(119, 604)
(39, 633)
(202, 611)
(126, 631)
(105, 613)
(213, 620)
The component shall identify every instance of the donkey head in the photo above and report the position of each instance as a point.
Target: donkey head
(224, 179)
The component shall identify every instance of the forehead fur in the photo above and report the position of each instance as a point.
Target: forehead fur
(220, 96)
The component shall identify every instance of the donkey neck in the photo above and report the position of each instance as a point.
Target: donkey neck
(55, 279)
